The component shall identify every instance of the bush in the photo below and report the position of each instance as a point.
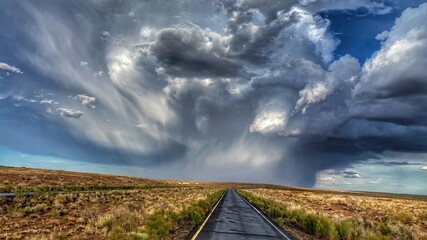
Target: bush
(404, 217)
(38, 208)
(158, 225)
(385, 229)
(345, 230)
(195, 215)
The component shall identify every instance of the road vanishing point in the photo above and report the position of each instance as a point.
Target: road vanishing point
(234, 218)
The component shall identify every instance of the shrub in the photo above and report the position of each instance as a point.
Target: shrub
(195, 214)
(280, 221)
(345, 230)
(404, 217)
(158, 225)
(385, 229)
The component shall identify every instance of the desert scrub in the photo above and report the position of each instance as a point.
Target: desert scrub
(371, 210)
(6, 187)
(130, 223)
(62, 180)
(325, 227)
(76, 214)
(160, 223)
(38, 208)
(121, 223)
(42, 188)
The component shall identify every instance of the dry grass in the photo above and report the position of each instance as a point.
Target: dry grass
(128, 214)
(90, 215)
(395, 217)
(26, 179)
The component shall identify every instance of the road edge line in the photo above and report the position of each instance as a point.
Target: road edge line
(207, 218)
(262, 215)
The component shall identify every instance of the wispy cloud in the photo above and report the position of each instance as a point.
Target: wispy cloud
(10, 68)
(69, 112)
(86, 100)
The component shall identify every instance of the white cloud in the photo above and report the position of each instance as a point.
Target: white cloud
(84, 64)
(312, 93)
(326, 178)
(313, 28)
(400, 63)
(342, 72)
(69, 112)
(424, 168)
(10, 68)
(86, 100)
(148, 33)
(269, 122)
(116, 40)
(45, 101)
(351, 175)
(99, 74)
(121, 65)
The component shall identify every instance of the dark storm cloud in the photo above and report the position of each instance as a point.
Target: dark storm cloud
(393, 86)
(345, 173)
(188, 51)
(196, 86)
(394, 163)
(401, 111)
(252, 35)
(270, 10)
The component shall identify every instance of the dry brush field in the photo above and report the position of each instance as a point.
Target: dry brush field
(119, 207)
(27, 179)
(135, 208)
(371, 216)
(90, 215)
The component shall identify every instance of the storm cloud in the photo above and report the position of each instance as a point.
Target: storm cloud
(223, 90)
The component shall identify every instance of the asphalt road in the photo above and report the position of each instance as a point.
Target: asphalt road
(234, 218)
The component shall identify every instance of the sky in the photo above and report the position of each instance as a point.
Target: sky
(314, 93)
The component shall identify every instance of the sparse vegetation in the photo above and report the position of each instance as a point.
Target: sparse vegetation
(133, 208)
(127, 224)
(294, 211)
(20, 180)
(118, 214)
